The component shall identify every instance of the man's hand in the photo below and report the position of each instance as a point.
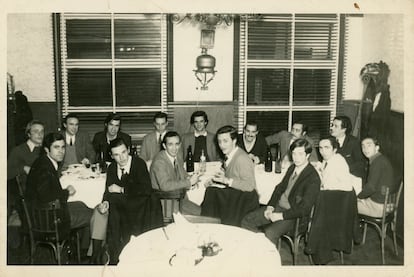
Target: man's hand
(71, 190)
(220, 177)
(103, 207)
(269, 210)
(85, 161)
(275, 217)
(254, 158)
(194, 179)
(114, 188)
(26, 169)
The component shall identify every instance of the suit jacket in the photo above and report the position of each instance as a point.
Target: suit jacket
(259, 148)
(142, 207)
(163, 176)
(100, 144)
(84, 147)
(43, 186)
(351, 151)
(150, 147)
(241, 170)
(189, 139)
(303, 195)
(283, 138)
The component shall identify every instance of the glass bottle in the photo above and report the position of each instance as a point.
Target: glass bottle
(268, 161)
(190, 161)
(102, 162)
(202, 162)
(278, 161)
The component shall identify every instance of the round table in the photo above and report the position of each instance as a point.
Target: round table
(243, 253)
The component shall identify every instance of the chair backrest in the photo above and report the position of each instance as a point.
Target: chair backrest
(45, 219)
(202, 219)
(24, 205)
(391, 202)
(170, 202)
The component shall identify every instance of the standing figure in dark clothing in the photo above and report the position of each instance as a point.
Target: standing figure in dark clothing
(22, 117)
(133, 207)
(252, 142)
(111, 131)
(349, 146)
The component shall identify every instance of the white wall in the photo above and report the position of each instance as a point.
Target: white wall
(187, 49)
(377, 37)
(30, 55)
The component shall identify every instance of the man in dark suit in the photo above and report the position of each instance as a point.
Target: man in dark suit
(349, 146)
(43, 186)
(292, 198)
(78, 145)
(133, 207)
(252, 142)
(111, 131)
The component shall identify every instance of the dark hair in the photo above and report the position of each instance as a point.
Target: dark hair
(228, 129)
(345, 123)
(252, 123)
(333, 141)
(197, 114)
(112, 116)
(160, 115)
(304, 126)
(31, 123)
(70, 115)
(299, 143)
(50, 138)
(170, 134)
(375, 140)
(116, 142)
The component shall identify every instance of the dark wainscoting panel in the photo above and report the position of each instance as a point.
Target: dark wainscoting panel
(46, 112)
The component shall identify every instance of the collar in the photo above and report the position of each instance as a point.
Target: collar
(204, 134)
(126, 168)
(374, 157)
(68, 137)
(249, 145)
(341, 140)
(157, 134)
(109, 140)
(55, 164)
(231, 155)
(170, 157)
(299, 169)
(31, 145)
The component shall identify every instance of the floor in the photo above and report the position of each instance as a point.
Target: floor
(367, 254)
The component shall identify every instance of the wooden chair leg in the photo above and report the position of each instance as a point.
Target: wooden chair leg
(78, 252)
(364, 233)
(341, 255)
(394, 238)
(383, 236)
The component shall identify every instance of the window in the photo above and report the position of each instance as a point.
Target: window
(288, 71)
(114, 63)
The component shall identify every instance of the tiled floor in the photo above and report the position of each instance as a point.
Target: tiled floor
(367, 254)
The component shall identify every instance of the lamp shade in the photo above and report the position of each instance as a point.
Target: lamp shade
(205, 63)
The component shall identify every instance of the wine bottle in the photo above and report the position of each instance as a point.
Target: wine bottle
(190, 161)
(102, 163)
(268, 161)
(278, 162)
(202, 162)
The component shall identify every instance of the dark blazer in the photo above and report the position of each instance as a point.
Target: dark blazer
(259, 149)
(142, 208)
(100, 144)
(83, 145)
(43, 186)
(189, 139)
(351, 151)
(303, 194)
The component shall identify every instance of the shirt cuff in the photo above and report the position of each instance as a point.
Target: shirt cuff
(230, 182)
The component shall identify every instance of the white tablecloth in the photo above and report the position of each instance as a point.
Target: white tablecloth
(265, 182)
(243, 253)
(89, 185)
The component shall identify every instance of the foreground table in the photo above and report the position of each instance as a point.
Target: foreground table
(243, 253)
(265, 182)
(89, 185)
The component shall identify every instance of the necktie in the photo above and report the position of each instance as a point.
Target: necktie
(293, 177)
(160, 142)
(223, 165)
(70, 142)
(123, 174)
(177, 173)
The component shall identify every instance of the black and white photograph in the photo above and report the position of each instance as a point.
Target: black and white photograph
(212, 138)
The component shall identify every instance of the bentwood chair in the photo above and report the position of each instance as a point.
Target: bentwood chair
(170, 202)
(294, 236)
(46, 230)
(389, 217)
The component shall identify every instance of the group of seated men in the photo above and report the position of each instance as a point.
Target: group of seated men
(130, 207)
